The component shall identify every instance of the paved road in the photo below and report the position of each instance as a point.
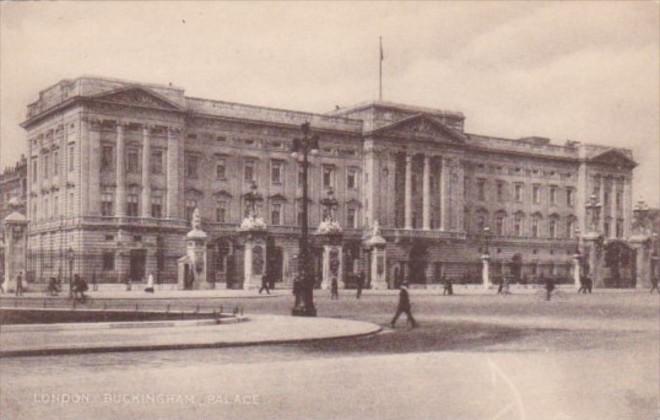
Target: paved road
(458, 364)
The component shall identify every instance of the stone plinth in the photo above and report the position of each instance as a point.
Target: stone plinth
(377, 244)
(253, 232)
(641, 245)
(485, 271)
(15, 250)
(193, 267)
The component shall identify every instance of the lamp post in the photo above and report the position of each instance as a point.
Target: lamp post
(487, 240)
(300, 150)
(70, 256)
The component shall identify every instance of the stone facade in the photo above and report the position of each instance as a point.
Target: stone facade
(115, 170)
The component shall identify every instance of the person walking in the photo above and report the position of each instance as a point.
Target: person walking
(448, 287)
(583, 284)
(403, 307)
(654, 284)
(264, 285)
(80, 286)
(19, 284)
(360, 284)
(334, 289)
(549, 286)
(589, 285)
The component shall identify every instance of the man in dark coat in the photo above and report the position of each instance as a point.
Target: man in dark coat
(360, 284)
(19, 284)
(448, 288)
(297, 290)
(549, 286)
(264, 284)
(334, 289)
(403, 307)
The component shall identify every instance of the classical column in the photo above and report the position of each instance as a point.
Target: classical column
(146, 170)
(627, 207)
(444, 192)
(408, 193)
(172, 172)
(576, 270)
(120, 208)
(426, 194)
(601, 199)
(614, 210)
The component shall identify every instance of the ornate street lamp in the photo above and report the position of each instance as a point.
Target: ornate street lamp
(641, 215)
(487, 239)
(70, 256)
(300, 150)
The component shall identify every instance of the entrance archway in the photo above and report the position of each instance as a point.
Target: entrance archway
(417, 262)
(619, 264)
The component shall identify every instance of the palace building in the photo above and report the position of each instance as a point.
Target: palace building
(116, 169)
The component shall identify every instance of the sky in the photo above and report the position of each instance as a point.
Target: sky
(585, 71)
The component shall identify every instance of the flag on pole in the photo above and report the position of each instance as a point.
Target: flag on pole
(381, 49)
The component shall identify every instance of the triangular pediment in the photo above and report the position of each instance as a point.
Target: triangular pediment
(423, 127)
(138, 96)
(614, 158)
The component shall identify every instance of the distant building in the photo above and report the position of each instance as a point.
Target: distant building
(13, 184)
(115, 170)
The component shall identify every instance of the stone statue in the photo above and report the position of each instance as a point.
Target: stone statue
(196, 220)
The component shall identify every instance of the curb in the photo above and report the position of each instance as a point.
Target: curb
(78, 326)
(154, 347)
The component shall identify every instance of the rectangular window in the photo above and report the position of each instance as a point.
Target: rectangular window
(517, 226)
(328, 176)
(220, 169)
(569, 197)
(300, 177)
(132, 205)
(553, 228)
(351, 179)
(535, 228)
(71, 157)
(132, 159)
(108, 261)
(276, 214)
(157, 206)
(56, 162)
(276, 172)
(606, 228)
(106, 158)
(619, 228)
(248, 171)
(500, 192)
(351, 218)
(46, 166)
(221, 212)
(56, 208)
(71, 204)
(518, 192)
(619, 200)
(481, 189)
(156, 162)
(106, 203)
(46, 208)
(536, 194)
(35, 170)
(570, 229)
(553, 195)
(192, 166)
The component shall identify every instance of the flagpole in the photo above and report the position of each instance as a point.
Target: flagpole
(380, 70)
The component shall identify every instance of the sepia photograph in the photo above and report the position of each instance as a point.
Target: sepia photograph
(387, 210)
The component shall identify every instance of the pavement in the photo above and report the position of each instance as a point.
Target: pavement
(21, 340)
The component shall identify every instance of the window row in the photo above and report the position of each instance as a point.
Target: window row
(519, 225)
(518, 192)
(50, 163)
(133, 160)
(277, 172)
(49, 207)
